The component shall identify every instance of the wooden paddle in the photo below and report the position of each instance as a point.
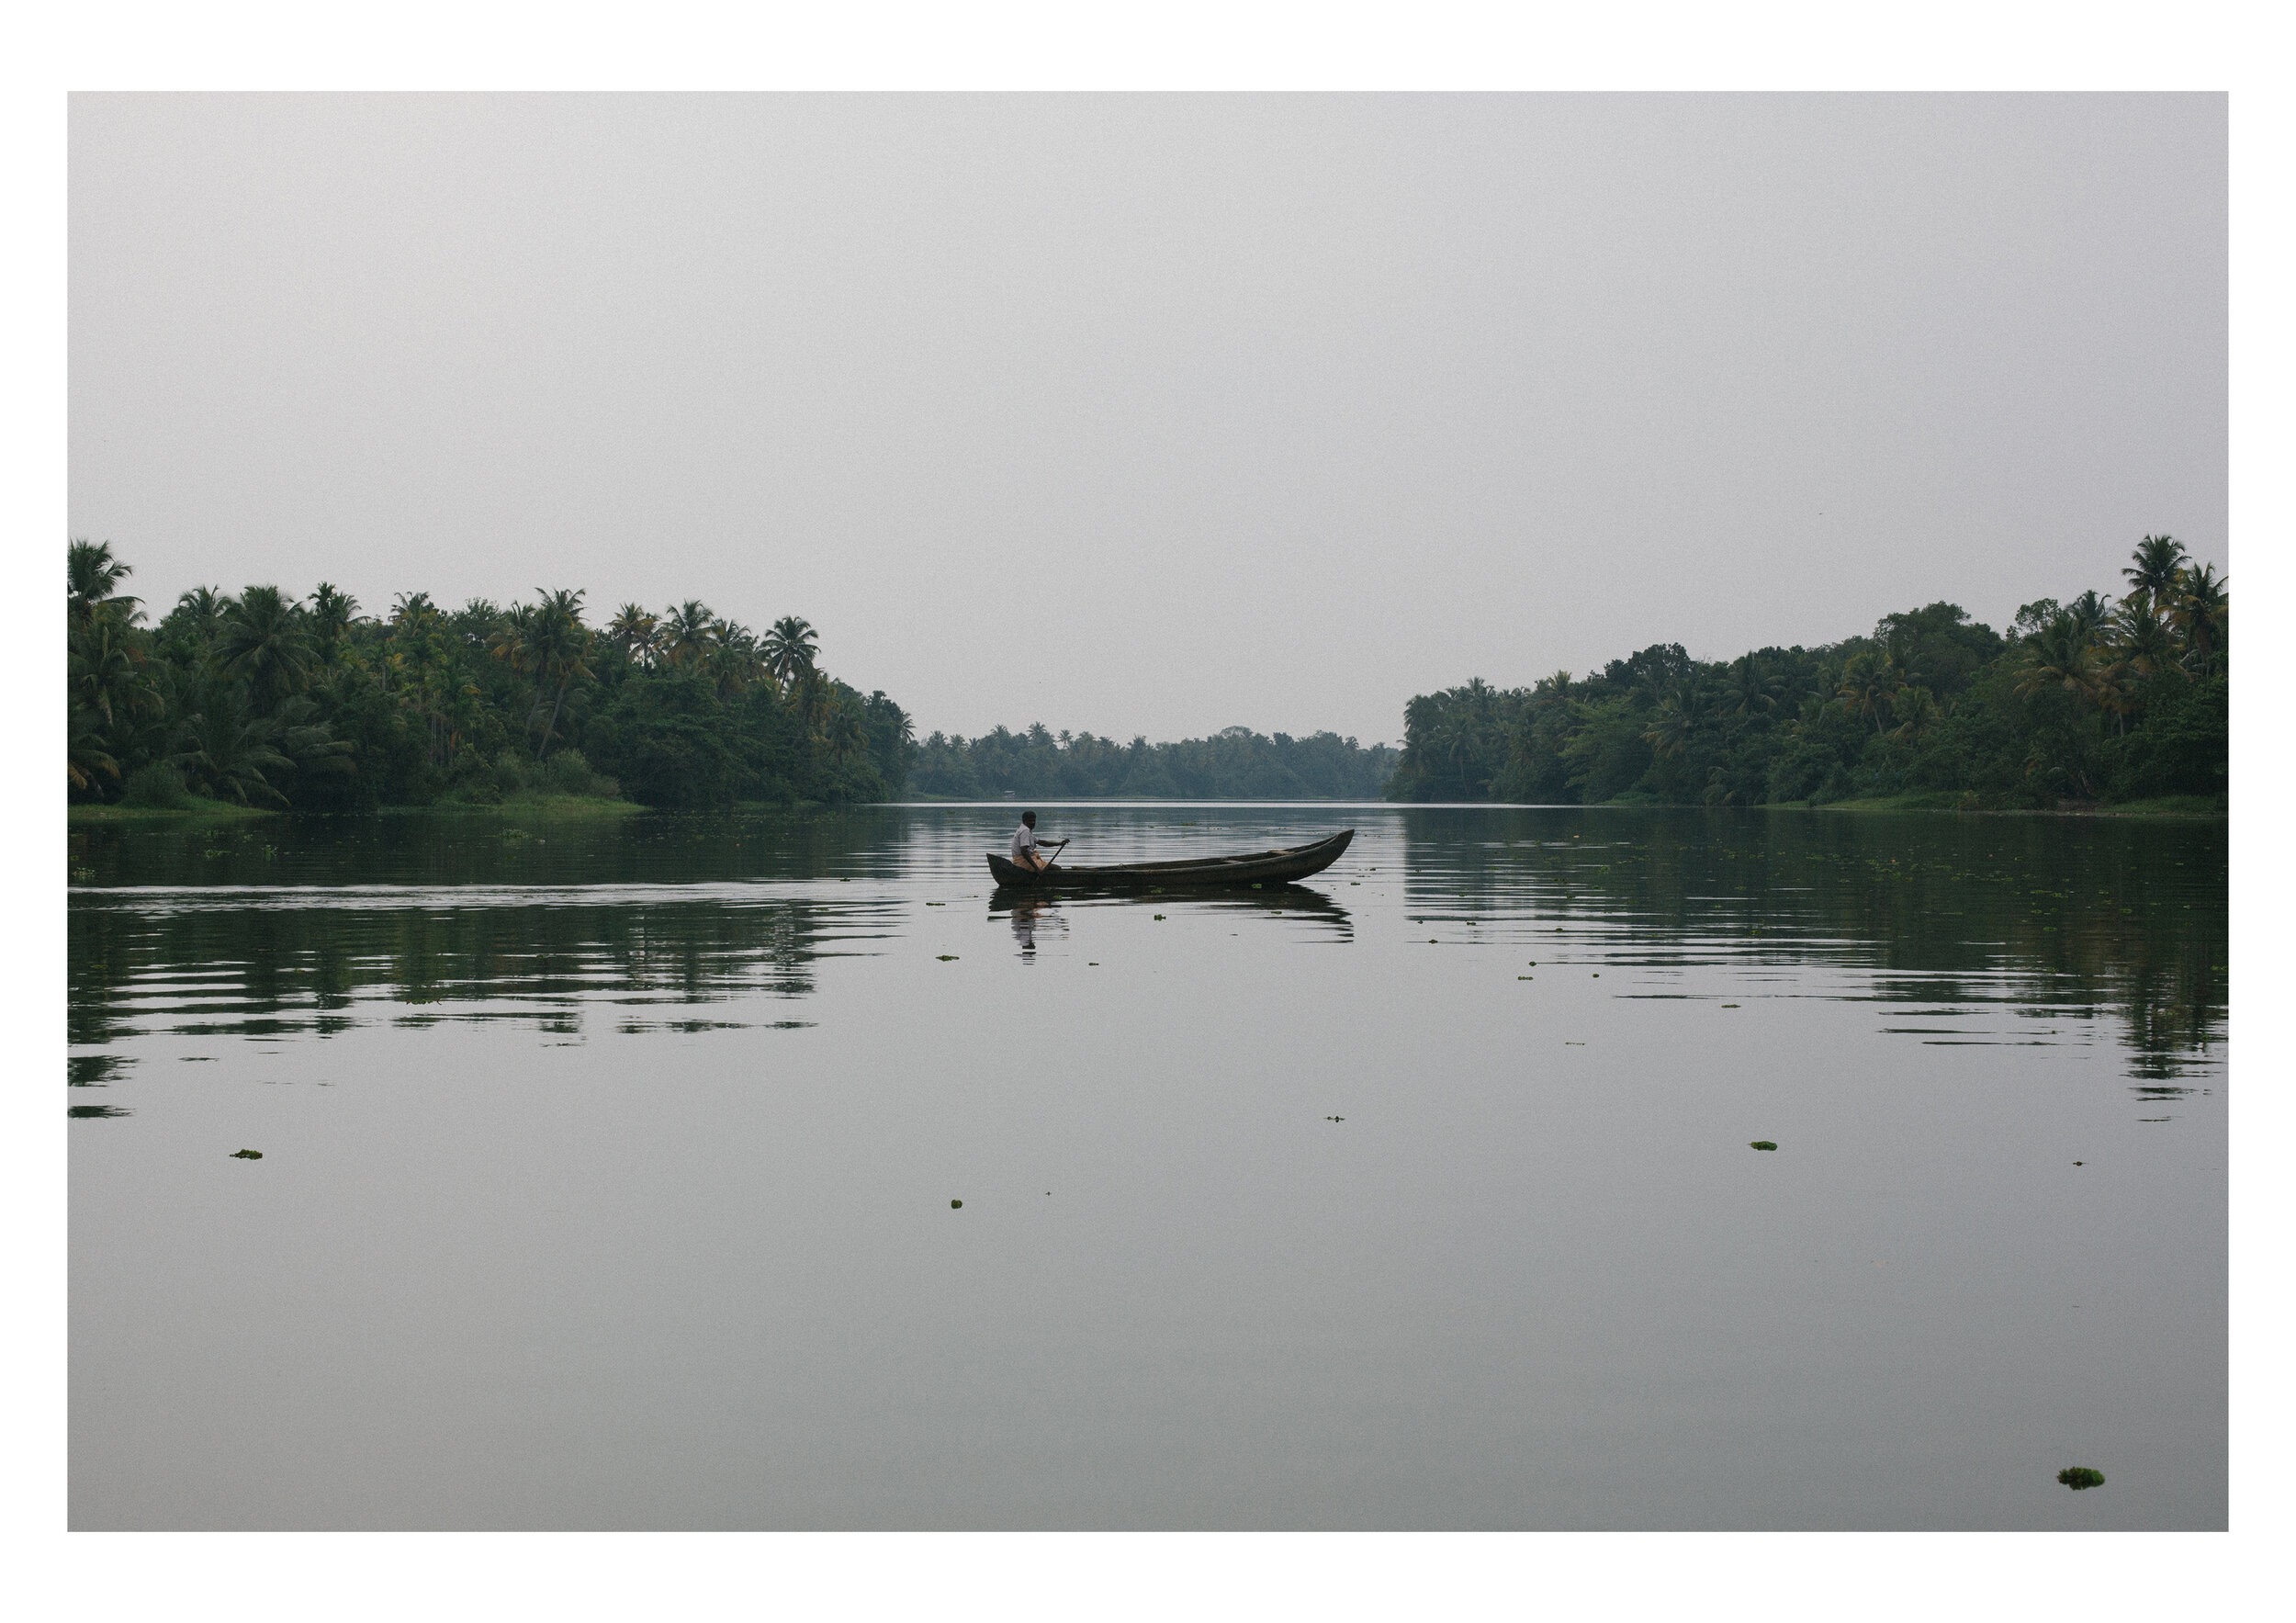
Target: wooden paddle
(1056, 851)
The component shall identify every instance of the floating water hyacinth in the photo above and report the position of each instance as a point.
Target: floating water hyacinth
(1762, 1144)
(948, 957)
(2078, 1477)
(246, 1154)
(954, 1204)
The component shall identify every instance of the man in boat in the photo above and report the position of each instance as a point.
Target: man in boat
(1024, 851)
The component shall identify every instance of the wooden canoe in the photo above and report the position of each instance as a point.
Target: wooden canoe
(1262, 867)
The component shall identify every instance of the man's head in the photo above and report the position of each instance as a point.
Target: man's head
(1030, 819)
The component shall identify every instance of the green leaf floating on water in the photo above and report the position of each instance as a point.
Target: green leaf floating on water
(2078, 1477)
(954, 1204)
(246, 1154)
(948, 957)
(1761, 1143)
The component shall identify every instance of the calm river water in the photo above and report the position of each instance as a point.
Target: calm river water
(607, 1174)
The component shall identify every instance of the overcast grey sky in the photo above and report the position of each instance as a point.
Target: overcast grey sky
(1159, 414)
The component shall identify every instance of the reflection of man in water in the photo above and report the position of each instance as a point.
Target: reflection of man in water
(1024, 850)
(1024, 912)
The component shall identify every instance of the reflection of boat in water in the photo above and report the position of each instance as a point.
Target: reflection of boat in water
(1282, 901)
(1264, 867)
(1031, 911)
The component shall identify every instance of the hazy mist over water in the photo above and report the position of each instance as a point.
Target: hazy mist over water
(1158, 413)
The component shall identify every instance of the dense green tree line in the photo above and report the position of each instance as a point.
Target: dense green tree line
(2090, 699)
(264, 699)
(1233, 764)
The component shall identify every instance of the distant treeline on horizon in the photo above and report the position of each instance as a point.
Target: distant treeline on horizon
(2091, 699)
(1235, 763)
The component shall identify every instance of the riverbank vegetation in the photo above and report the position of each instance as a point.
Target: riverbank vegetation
(265, 700)
(1233, 764)
(2089, 701)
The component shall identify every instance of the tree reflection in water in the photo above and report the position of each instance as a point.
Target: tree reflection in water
(278, 965)
(2050, 920)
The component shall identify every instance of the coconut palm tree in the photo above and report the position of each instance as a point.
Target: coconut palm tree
(1870, 683)
(107, 688)
(633, 631)
(2060, 655)
(789, 650)
(202, 611)
(105, 670)
(96, 576)
(228, 753)
(420, 671)
(2199, 609)
(735, 659)
(332, 611)
(512, 631)
(849, 735)
(298, 733)
(86, 761)
(2137, 637)
(1680, 713)
(687, 631)
(2135, 647)
(2090, 612)
(266, 643)
(1916, 709)
(1750, 688)
(549, 643)
(2153, 568)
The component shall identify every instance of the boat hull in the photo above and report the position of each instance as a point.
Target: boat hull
(1266, 867)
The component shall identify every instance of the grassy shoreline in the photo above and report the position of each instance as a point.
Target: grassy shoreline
(210, 811)
(1954, 801)
(218, 811)
(528, 805)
